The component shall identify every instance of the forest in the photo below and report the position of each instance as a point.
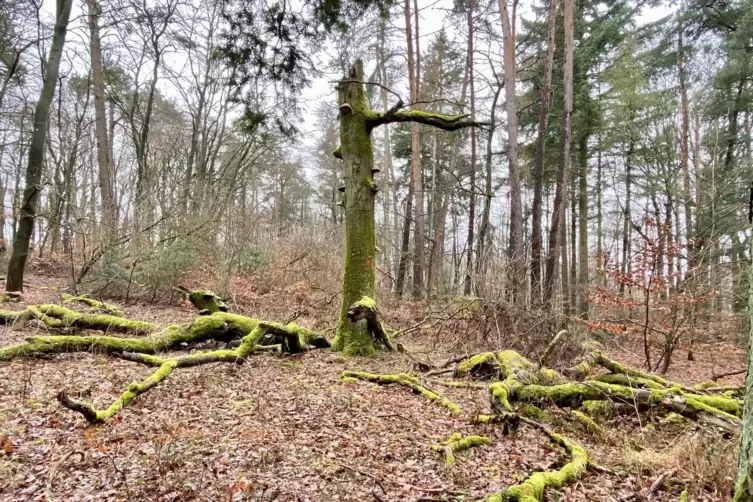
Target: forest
(376, 250)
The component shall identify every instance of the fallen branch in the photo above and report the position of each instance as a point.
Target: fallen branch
(458, 443)
(405, 380)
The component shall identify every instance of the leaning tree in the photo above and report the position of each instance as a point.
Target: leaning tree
(357, 121)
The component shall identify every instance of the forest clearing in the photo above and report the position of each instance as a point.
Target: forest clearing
(289, 427)
(376, 250)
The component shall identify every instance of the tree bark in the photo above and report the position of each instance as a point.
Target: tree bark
(17, 263)
(357, 153)
(106, 191)
(558, 212)
(414, 75)
(468, 282)
(583, 227)
(516, 251)
(538, 162)
(744, 484)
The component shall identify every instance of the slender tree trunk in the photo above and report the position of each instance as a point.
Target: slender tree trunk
(573, 251)
(106, 193)
(565, 272)
(17, 264)
(599, 218)
(558, 211)
(414, 75)
(684, 135)
(583, 228)
(626, 224)
(538, 162)
(516, 250)
(389, 192)
(402, 267)
(483, 233)
(468, 283)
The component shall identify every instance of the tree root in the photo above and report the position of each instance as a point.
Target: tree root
(458, 443)
(532, 489)
(519, 380)
(165, 367)
(365, 308)
(404, 380)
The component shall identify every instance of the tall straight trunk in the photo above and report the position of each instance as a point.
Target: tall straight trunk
(106, 192)
(17, 263)
(538, 162)
(414, 75)
(435, 258)
(599, 217)
(483, 232)
(389, 193)
(565, 272)
(573, 250)
(468, 283)
(558, 211)
(626, 224)
(583, 228)
(684, 135)
(402, 267)
(516, 251)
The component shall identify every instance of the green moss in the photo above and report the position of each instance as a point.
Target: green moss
(535, 413)
(629, 381)
(96, 305)
(458, 443)
(684, 496)
(484, 364)
(407, 381)
(532, 489)
(206, 301)
(137, 388)
(588, 423)
(598, 409)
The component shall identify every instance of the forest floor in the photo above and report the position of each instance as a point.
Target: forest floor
(289, 429)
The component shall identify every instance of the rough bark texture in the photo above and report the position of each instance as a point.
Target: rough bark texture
(31, 193)
(356, 149)
(516, 251)
(106, 188)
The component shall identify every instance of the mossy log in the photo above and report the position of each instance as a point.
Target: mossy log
(220, 326)
(405, 380)
(95, 306)
(458, 443)
(206, 302)
(58, 316)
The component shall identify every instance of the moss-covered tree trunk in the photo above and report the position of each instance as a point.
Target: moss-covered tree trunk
(357, 154)
(744, 489)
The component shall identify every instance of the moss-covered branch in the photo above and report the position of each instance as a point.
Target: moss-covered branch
(532, 489)
(405, 380)
(438, 120)
(248, 345)
(219, 326)
(458, 443)
(94, 305)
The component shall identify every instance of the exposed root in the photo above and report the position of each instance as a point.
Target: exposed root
(405, 380)
(365, 308)
(532, 489)
(458, 443)
(519, 380)
(166, 366)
